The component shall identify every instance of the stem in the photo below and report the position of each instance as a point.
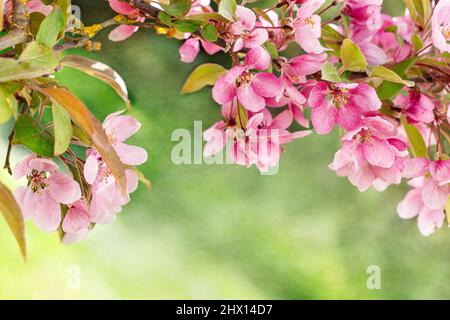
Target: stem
(20, 33)
(7, 165)
(327, 8)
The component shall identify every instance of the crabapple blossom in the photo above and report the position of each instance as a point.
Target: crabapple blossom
(248, 87)
(371, 155)
(107, 197)
(46, 190)
(416, 106)
(441, 25)
(243, 32)
(307, 26)
(124, 31)
(76, 222)
(344, 104)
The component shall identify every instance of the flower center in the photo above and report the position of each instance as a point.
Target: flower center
(364, 135)
(339, 98)
(446, 32)
(244, 78)
(308, 21)
(37, 180)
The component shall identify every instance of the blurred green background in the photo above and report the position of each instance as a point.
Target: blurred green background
(222, 232)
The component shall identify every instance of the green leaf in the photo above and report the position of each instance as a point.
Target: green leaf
(352, 57)
(5, 107)
(416, 42)
(271, 48)
(62, 129)
(329, 73)
(227, 9)
(36, 60)
(203, 75)
(13, 216)
(177, 8)
(415, 140)
(50, 28)
(387, 90)
(209, 33)
(30, 133)
(389, 75)
(164, 18)
(186, 25)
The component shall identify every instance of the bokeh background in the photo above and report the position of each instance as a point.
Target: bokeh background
(222, 232)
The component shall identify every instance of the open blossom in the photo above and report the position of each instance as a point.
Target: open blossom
(259, 143)
(107, 197)
(441, 26)
(371, 155)
(248, 87)
(428, 220)
(123, 32)
(307, 26)
(191, 47)
(416, 106)
(431, 191)
(342, 103)
(76, 222)
(47, 189)
(243, 30)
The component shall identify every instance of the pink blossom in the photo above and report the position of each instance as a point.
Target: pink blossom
(261, 142)
(416, 106)
(372, 155)
(307, 26)
(441, 26)
(107, 198)
(123, 32)
(413, 206)
(191, 47)
(76, 222)
(250, 89)
(243, 30)
(344, 104)
(47, 189)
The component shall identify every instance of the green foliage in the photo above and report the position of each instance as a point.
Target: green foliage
(186, 25)
(209, 33)
(36, 60)
(177, 8)
(329, 73)
(352, 57)
(30, 133)
(51, 28)
(203, 75)
(415, 140)
(227, 9)
(62, 126)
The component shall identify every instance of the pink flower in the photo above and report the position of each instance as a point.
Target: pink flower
(441, 26)
(107, 198)
(307, 26)
(416, 106)
(250, 89)
(260, 143)
(371, 155)
(413, 206)
(243, 30)
(342, 103)
(123, 32)
(191, 47)
(47, 189)
(76, 222)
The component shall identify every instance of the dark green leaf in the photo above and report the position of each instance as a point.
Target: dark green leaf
(30, 133)
(186, 25)
(177, 8)
(209, 33)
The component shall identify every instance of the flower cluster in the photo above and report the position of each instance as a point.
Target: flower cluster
(54, 200)
(383, 81)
